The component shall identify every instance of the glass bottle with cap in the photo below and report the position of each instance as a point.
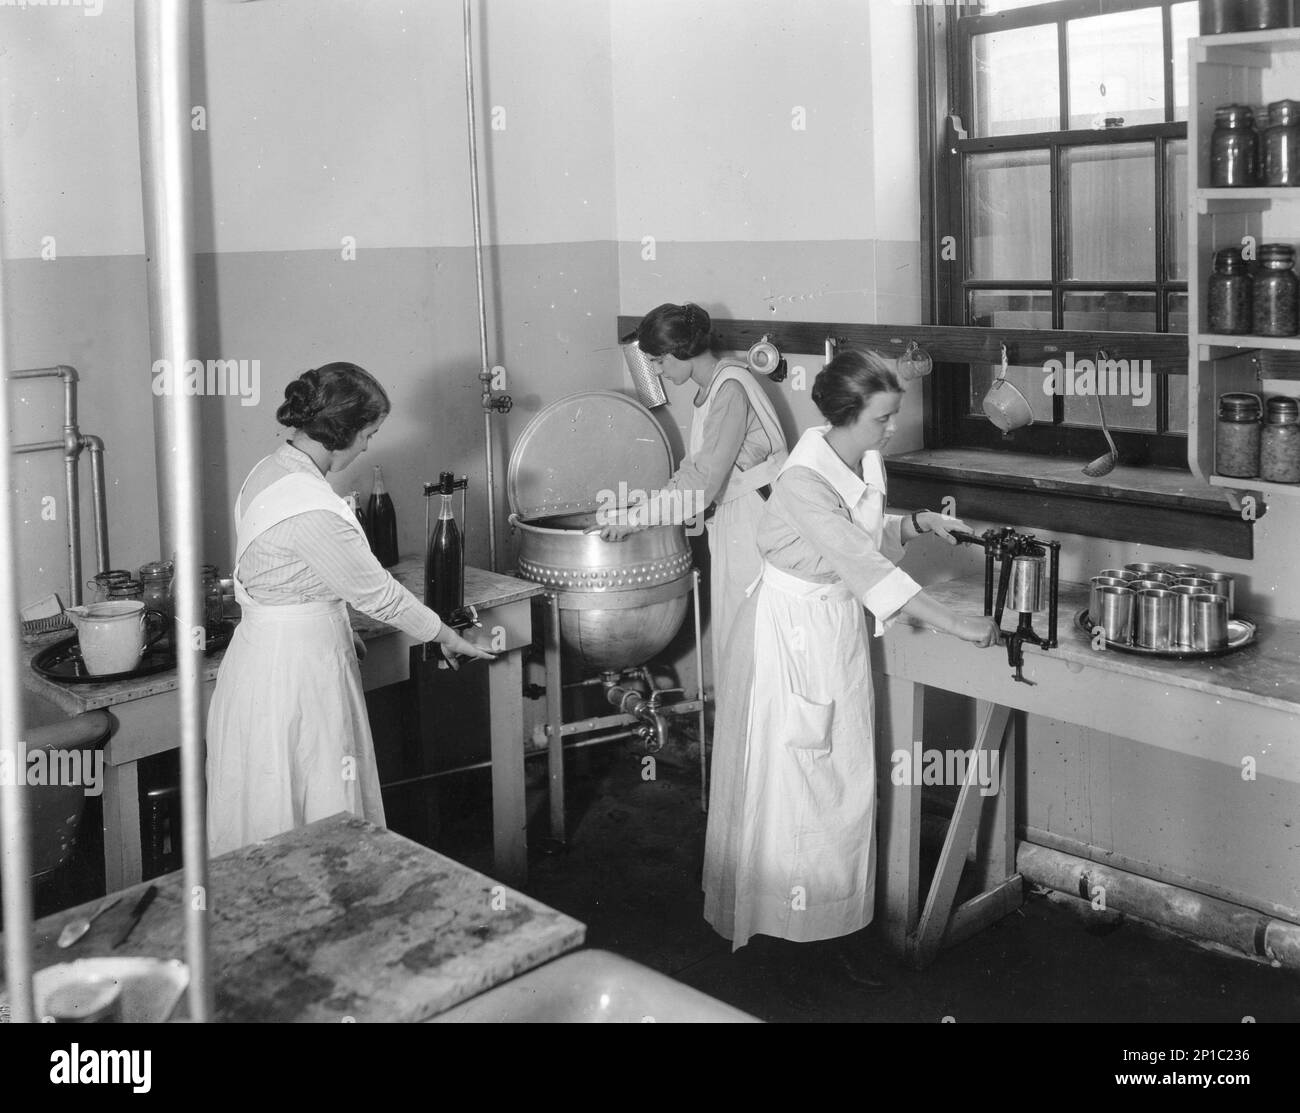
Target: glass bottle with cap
(1282, 144)
(1275, 294)
(1279, 441)
(1236, 437)
(1234, 147)
(1228, 305)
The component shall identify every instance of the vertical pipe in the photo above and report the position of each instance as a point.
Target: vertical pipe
(555, 716)
(699, 674)
(484, 374)
(73, 511)
(163, 84)
(15, 846)
(96, 448)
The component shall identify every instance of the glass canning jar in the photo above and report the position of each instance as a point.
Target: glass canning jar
(1228, 304)
(1279, 441)
(1234, 147)
(1275, 293)
(1236, 436)
(1281, 158)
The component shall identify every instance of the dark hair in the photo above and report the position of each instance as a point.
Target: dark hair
(684, 331)
(333, 403)
(845, 385)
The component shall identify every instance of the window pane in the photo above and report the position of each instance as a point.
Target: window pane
(1028, 380)
(1011, 308)
(1178, 383)
(1017, 82)
(1177, 312)
(1185, 24)
(1116, 70)
(1110, 311)
(1176, 210)
(1110, 202)
(1009, 204)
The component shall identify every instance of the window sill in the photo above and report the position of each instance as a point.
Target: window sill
(1153, 506)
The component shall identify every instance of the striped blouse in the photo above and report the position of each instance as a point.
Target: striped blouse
(317, 556)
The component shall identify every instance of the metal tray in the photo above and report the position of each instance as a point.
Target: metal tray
(1241, 633)
(62, 660)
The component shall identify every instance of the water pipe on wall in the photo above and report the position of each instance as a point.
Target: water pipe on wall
(491, 403)
(73, 442)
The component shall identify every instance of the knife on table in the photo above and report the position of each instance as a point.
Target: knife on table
(141, 906)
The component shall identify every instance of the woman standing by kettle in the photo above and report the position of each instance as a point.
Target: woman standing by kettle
(288, 737)
(735, 451)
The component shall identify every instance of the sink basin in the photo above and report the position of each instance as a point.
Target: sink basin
(593, 987)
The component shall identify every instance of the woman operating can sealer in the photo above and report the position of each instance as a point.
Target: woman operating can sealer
(790, 847)
(288, 737)
(736, 449)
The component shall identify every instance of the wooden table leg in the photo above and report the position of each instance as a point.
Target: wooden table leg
(509, 812)
(901, 718)
(123, 859)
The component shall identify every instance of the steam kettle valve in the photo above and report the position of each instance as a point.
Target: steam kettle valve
(499, 403)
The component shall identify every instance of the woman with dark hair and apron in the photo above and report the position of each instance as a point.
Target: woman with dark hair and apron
(790, 846)
(288, 737)
(735, 451)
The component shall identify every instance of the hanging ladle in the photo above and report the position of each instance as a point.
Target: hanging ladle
(1105, 463)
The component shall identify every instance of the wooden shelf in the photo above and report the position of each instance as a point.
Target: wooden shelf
(1263, 486)
(1244, 68)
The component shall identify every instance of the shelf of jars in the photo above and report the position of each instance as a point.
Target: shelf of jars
(1243, 230)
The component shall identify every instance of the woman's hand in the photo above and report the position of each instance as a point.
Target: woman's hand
(359, 646)
(618, 532)
(454, 646)
(942, 526)
(981, 631)
(617, 524)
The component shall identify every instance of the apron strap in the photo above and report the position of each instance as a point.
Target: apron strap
(764, 473)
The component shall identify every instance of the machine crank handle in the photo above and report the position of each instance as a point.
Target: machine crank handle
(462, 618)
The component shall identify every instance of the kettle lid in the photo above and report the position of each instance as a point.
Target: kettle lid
(579, 448)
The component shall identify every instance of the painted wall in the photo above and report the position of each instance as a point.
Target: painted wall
(341, 118)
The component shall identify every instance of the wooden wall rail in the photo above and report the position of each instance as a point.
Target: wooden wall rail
(952, 344)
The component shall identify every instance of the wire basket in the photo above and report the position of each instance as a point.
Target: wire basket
(35, 626)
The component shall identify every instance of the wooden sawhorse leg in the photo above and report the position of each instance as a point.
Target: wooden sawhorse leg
(1001, 886)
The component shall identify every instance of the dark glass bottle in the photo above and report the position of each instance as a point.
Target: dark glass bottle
(1221, 16)
(1276, 292)
(444, 585)
(382, 519)
(1227, 310)
(1263, 15)
(1234, 147)
(354, 501)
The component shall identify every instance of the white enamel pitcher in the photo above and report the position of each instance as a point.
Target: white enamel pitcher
(114, 635)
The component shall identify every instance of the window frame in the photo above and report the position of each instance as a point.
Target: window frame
(945, 40)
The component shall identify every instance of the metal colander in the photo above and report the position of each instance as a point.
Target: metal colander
(649, 390)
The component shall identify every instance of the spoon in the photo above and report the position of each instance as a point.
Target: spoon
(1105, 463)
(75, 929)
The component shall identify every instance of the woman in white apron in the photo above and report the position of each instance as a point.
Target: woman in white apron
(288, 738)
(790, 847)
(734, 455)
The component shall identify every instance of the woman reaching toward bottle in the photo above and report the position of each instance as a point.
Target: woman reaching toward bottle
(288, 737)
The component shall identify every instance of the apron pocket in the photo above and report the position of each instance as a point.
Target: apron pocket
(806, 725)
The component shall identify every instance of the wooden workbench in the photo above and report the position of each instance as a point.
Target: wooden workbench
(336, 920)
(146, 711)
(1215, 713)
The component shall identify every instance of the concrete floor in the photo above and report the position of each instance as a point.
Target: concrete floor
(631, 874)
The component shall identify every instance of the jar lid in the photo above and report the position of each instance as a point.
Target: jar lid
(1284, 111)
(1242, 404)
(1234, 113)
(156, 569)
(1229, 257)
(1283, 410)
(113, 575)
(124, 587)
(1276, 253)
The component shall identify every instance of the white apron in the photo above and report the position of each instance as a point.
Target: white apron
(734, 559)
(288, 738)
(790, 849)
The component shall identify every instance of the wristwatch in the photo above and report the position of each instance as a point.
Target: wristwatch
(917, 525)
